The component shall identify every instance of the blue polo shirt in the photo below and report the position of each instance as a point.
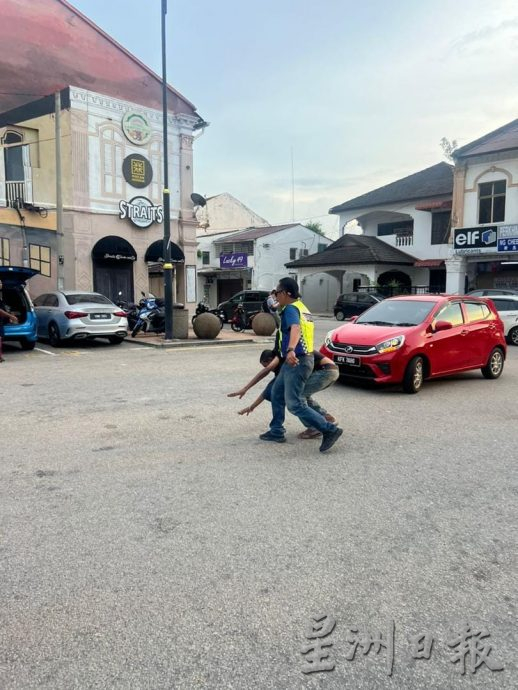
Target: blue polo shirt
(290, 316)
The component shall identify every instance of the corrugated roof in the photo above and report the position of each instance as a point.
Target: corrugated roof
(254, 233)
(502, 139)
(355, 249)
(431, 182)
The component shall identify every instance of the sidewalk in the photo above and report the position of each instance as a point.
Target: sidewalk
(225, 337)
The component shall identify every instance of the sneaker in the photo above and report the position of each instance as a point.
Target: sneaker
(329, 418)
(329, 438)
(268, 436)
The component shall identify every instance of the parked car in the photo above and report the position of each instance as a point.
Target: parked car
(74, 315)
(354, 303)
(405, 340)
(487, 292)
(507, 308)
(252, 300)
(17, 300)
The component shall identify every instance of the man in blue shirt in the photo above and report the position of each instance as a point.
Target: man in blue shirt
(296, 349)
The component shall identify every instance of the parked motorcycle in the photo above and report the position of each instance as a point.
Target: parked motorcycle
(131, 310)
(241, 319)
(151, 316)
(203, 308)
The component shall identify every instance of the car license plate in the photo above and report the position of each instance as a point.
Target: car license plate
(346, 359)
(99, 316)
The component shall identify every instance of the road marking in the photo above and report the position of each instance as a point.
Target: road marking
(39, 349)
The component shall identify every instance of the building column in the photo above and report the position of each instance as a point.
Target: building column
(456, 269)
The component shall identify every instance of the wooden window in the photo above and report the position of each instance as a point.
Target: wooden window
(491, 202)
(205, 258)
(440, 227)
(39, 256)
(5, 252)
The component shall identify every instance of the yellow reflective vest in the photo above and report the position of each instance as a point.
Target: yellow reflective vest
(307, 328)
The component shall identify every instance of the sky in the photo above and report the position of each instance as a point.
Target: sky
(356, 95)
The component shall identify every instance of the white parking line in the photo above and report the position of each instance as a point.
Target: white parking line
(54, 354)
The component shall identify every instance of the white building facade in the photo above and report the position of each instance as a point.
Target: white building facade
(256, 258)
(485, 213)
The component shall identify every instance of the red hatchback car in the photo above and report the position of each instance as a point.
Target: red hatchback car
(406, 340)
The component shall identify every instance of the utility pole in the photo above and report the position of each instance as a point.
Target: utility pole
(292, 188)
(59, 200)
(168, 266)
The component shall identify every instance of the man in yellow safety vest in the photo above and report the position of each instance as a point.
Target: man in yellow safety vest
(296, 349)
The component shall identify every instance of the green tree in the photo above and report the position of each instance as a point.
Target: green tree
(315, 226)
(448, 147)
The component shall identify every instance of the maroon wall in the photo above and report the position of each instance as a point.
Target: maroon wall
(47, 45)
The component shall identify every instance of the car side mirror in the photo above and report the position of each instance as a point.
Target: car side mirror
(442, 326)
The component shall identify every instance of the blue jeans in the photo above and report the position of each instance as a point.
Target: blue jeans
(319, 380)
(289, 391)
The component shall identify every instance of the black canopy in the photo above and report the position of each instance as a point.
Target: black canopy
(155, 252)
(113, 248)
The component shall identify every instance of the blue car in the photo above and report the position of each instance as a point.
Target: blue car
(18, 302)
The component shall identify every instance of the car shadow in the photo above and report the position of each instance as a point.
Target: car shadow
(391, 389)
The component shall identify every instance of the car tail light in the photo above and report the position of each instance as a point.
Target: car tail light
(75, 314)
(119, 313)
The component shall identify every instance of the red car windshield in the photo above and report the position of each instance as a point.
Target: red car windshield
(397, 313)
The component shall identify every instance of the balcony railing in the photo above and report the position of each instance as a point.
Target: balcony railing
(15, 193)
(405, 239)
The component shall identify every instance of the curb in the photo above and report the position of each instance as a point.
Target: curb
(195, 343)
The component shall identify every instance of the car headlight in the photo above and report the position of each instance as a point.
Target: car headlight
(328, 339)
(390, 345)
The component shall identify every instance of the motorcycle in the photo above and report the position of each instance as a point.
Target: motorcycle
(131, 310)
(151, 316)
(203, 308)
(241, 319)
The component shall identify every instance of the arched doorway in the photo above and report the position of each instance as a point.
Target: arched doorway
(154, 259)
(113, 259)
(395, 283)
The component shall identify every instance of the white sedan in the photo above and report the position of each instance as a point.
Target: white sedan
(507, 307)
(76, 315)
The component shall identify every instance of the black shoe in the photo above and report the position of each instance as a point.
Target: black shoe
(268, 436)
(329, 438)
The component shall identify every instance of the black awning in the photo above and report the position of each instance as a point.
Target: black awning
(113, 248)
(155, 252)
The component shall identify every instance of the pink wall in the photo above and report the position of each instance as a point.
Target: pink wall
(47, 45)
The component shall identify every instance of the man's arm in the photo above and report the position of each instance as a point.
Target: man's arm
(12, 318)
(258, 377)
(251, 408)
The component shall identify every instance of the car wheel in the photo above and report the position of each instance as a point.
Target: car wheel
(414, 376)
(340, 316)
(115, 339)
(54, 337)
(495, 364)
(513, 335)
(27, 344)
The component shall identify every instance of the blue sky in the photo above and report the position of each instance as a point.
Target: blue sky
(363, 94)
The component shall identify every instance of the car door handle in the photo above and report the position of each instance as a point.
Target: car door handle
(464, 332)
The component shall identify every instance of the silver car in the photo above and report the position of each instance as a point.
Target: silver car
(77, 315)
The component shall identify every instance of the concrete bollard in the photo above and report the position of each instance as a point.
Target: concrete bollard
(206, 326)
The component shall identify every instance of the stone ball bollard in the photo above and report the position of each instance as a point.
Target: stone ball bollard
(263, 324)
(206, 326)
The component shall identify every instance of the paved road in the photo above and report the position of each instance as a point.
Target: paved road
(150, 540)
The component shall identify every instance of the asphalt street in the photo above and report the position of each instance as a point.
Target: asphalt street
(149, 539)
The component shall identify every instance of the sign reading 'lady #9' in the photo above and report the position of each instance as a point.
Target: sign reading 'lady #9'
(141, 212)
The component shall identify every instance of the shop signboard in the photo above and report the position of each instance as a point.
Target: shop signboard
(136, 128)
(233, 261)
(141, 211)
(137, 170)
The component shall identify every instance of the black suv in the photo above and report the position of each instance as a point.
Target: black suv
(354, 303)
(252, 300)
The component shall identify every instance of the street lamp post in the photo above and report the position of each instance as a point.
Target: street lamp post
(168, 266)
